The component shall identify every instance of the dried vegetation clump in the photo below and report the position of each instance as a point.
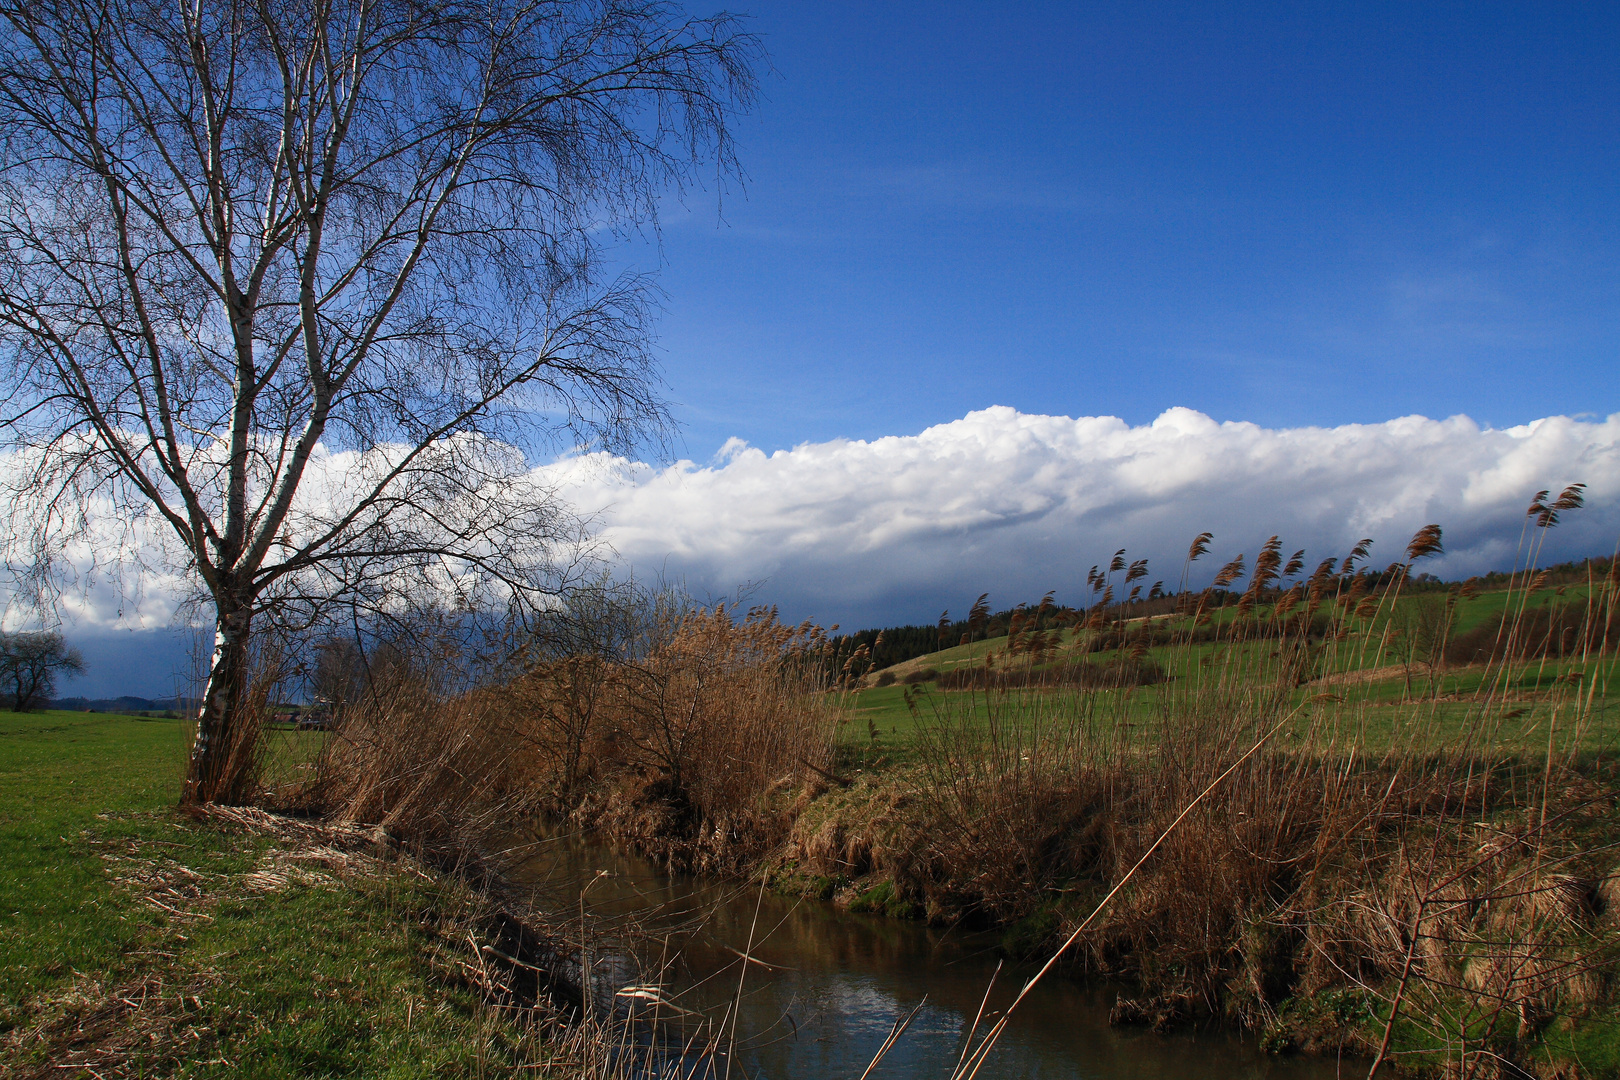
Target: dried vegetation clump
(687, 745)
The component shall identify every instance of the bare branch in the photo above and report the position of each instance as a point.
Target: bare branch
(318, 281)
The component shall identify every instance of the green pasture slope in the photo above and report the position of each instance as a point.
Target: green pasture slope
(222, 976)
(1385, 708)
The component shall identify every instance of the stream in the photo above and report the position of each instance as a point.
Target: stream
(830, 985)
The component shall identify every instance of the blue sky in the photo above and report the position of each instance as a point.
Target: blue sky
(1286, 214)
(1280, 217)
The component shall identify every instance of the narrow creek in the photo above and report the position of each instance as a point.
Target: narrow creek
(830, 984)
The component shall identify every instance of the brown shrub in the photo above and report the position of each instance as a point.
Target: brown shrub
(716, 721)
(424, 763)
(1123, 671)
(1553, 630)
(684, 748)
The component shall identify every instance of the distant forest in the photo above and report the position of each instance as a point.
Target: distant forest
(127, 705)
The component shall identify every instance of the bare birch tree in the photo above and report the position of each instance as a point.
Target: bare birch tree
(308, 283)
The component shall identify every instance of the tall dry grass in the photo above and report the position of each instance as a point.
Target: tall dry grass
(687, 744)
(711, 735)
(424, 759)
(1441, 895)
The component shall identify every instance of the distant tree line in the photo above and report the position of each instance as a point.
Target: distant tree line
(127, 705)
(1574, 572)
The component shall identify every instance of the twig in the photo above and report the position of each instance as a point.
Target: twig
(824, 774)
(978, 1057)
(754, 959)
(177, 911)
(895, 1032)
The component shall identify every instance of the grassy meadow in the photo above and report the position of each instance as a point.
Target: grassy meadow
(1364, 685)
(136, 941)
(1378, 701)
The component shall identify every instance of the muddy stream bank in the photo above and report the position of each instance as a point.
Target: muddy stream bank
(828, 984)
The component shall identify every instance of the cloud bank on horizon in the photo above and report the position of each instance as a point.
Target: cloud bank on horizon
(895, 529)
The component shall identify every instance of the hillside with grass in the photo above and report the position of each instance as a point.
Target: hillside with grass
(1431, 652)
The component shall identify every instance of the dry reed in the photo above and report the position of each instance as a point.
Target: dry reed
(686, 746)
(1449, 883)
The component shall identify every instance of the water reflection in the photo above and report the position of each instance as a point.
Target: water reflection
(829, 985)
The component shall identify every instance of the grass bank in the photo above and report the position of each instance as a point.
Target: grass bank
(135, 941)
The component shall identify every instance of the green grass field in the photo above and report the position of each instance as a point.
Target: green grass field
(136, 941)
(1361, 687)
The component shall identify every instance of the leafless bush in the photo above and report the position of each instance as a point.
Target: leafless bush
(682, 741)
(427, 763)
(720, 717)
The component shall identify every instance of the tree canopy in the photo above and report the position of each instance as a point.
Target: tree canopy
(302, 287)
(30, 662)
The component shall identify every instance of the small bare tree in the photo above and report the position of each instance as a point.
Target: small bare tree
(306, 284)
(29, 665)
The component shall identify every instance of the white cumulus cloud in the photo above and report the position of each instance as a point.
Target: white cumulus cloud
(894, 529)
